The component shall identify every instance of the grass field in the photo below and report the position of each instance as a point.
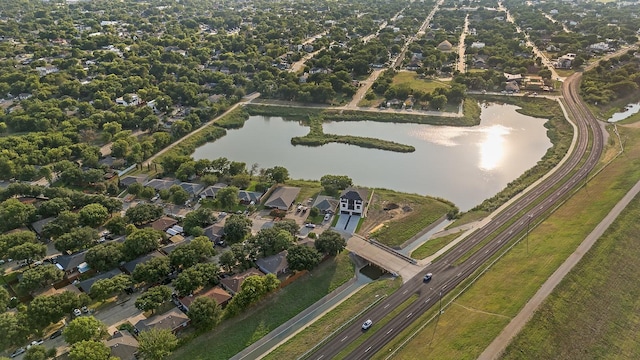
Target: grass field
(235, 334)
(433, 245)
(516, 277)
(415, 83)
(425, 212)
(322, 328)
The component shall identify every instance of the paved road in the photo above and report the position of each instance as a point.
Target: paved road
(511, 223)
(495, 349)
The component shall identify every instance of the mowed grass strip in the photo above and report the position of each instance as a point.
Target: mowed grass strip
(327, 324)
(415, 83)
(433, 245)
(424, 212)
(235, 334)
(463, 332)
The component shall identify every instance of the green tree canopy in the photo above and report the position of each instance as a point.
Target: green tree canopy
(153, 298)
(84, 328)
(106, 256)
(330, 242)
(143, 213)
(141, 242)
(302, 257)
(90, 350)
(93, 215)
(152, 271)
(236, 228)
(156, 344)
(204, 312)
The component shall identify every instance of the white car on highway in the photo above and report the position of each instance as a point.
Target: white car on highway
(367, 324)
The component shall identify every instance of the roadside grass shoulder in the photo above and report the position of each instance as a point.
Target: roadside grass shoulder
(424, 211)
(324, 326)
(433, 245)
(235, 334)
(518, 275)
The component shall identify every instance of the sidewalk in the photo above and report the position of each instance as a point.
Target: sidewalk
(495, 349)
(299, 322)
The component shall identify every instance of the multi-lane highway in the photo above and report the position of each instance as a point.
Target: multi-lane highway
(503, 228)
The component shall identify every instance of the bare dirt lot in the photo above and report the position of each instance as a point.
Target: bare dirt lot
(382, 211)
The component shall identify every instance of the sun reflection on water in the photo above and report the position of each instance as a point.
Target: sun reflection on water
(492, 149)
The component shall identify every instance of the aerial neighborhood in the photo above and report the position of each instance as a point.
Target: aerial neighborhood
(326, 179)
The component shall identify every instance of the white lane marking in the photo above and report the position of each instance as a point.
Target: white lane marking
(386, 306)
(344, 338)
(389, 332)
(408, 316)
(369, 348)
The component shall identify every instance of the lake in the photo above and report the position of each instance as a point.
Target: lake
(462, 164)
(628, 111)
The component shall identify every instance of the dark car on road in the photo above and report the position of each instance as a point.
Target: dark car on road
(56, 334)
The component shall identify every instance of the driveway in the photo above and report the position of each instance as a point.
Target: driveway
(347, 223)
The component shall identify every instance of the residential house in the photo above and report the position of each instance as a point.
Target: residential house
(513, 77)
(133, 101)
(130, 180)
(39, 225)
(192, 188)
(233, 284)
(131, 265)
(512, 86)
(46, 70)
(175, 242)
(445, 46)
(533, 83)
(477, 45)
(326, 204)
(353, 201)
(275, 264)
(163, 223)
(214, 233)
(85, 285)
(249, 197)
(211, 191)
(161, 184)
(282, 197)
(218, 294)
(173, 320)
(73, 265)
(123, 345)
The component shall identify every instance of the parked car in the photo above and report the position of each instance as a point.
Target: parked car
(367, 324)
(34, 343)
(327, 217)
(85, 309)
(18, 352)
(310, 225)
(77, 312)
(56, 334)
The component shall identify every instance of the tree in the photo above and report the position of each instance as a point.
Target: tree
(179, 195)
(333, 183)
(252, 289)
(143, 213)
(84, 328)
(236, 228)
(187, 255)
(204, 312)
(195, 277)
(228, 197)
(14, 329)
(153, 298)
(152, 271)
(227, 260)
(301, 257)
(241, 181)
(44, 310)
(28, 251)
(39, 276)
(330, 242)
(38, 352)
(141, 242)
(201, 217)
(438, 102)
(90, 350)
(116, 225)
(278, 174)
(105, 256)
(77, 239)
(8, 241)
(272, 241)
(156, 344)
(14, 214)
(64, 223)
(135, 188)
(289, 225)
(93, 215)
(4, 298)
(104, 288)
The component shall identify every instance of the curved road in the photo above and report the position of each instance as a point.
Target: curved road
(512, 222)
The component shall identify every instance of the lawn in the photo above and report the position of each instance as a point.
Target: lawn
(433, 245)
(415, 83)
(515, 278)
(233, 335)
(328, 323)
(309, 190)
(424, 212)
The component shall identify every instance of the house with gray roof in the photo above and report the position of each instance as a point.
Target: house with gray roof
(131, 265)
(282, 197)
(173, 320)
(130, 180)
(161, 184)
(233, 283)
(70, 263)
(353, 201)
(249, 197)
(123, 345)
(275, 264)
(192, 188)
(39, 225)
(214, 232)
(211, 191)
(85, 285)
(326, 204)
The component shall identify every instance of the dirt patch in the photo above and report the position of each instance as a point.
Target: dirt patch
(381, 211)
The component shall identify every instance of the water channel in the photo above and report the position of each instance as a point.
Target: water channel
(462, 164)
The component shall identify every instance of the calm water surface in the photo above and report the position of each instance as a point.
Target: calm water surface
(463, 165)
(628, 111)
